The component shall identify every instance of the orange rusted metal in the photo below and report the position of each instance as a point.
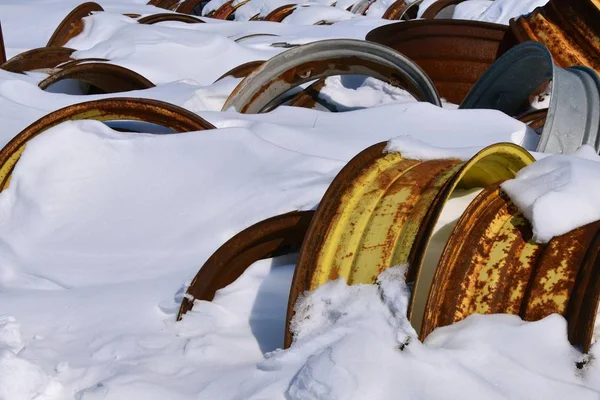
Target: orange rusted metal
(165, 4)
(189, 6)
(227, 10)
(272, 237)
(491, 265)
(381, 210)
(309, 97)
(570, 29)
(402, 10)
(113, 109)
(434, 9)
(169, 17)
(72, 24)
(279, 14)
(38, 59)
(453, 53)
(242, 70)
(535, 119)
(103, 78)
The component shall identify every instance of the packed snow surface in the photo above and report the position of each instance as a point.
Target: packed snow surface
(100, 231)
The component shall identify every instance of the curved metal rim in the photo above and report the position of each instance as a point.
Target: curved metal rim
(34, 59)
(520, 285)
(279, 14)
(299, 65)
(454, 53)
(491, 91)
(276, 236)
(165, 4)
(169, 17)
(246, 37)
(496, 163)
(120, 108)
(434, 9)
(242, 70)
(66, 30)
(441, 177)
(187, 7)
(573, 118)
(399, 9)
(109, 78)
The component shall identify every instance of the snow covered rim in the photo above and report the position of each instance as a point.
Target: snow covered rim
(108, 78)
(37, 59)
(573, 116)
(494, 238)
(380, 211)
(273, 237)
(328, 58)
(113, 109)
(168, 17)
(72, 24)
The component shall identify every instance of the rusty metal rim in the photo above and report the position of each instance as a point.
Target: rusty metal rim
(335, 57)
(165, 4)
(279, 14)
(252, 35)
(109, 78)
(356, 214)
(493, 164)
(275, 236)
(309, 97)
(169, 17)
(534, 119)
(72, 24)
(530, 279)
(434, 9)
(188, 6)
(315, 236)
(454, 53)
(568, 28)
(399, 9)
(122, 108)
(242, 70)
(35, 59)
(228, 9)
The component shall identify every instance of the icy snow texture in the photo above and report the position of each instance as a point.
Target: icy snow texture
(559, 193)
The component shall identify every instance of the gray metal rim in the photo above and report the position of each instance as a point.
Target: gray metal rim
(354, 57)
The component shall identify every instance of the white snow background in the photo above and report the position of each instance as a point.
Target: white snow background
(101, 230)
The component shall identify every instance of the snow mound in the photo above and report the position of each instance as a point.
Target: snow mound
(558, 193)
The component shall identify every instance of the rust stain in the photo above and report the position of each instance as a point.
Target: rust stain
(37, 59)
(433, 10)
(570, 29)
(242, 70)
(72, 24)
(279, 14)
(272, 237)
(103, 78)
(453, 53)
